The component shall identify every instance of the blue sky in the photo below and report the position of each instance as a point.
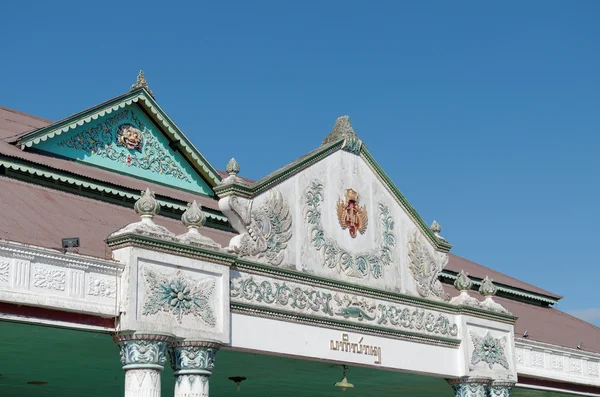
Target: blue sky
(485, 114)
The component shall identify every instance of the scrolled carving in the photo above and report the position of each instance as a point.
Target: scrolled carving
(269, 228)
(298, 298)
(425, 267)
(361, 265)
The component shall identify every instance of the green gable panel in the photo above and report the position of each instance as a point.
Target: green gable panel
(126, 141)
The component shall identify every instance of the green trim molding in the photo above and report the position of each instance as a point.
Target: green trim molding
(54, 176)
(450, 275)
(281, 175)
(155, 113)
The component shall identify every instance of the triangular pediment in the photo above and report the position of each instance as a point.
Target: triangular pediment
(335, 214)
(128, 135)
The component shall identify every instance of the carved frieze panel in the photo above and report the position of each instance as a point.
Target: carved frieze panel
(4, 270)
(41, 277)
(555, 362)
(313, 301)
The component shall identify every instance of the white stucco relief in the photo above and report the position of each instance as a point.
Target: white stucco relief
(559, 363)
(47, 278)
(313, 239)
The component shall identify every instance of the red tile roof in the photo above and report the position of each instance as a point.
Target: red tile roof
(546, 324)
(14, 123)
(36, 215)
(457, 263)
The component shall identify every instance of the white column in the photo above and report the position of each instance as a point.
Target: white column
(143, 355)
(192, 362)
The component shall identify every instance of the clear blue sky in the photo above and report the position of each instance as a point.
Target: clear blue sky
(485, 114)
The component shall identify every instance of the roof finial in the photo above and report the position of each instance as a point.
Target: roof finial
(436, 228)
(488, 289)
(232, 168)
(463, 283)
(193, 218)
(341, 129)
(141, 82)
(147, 206)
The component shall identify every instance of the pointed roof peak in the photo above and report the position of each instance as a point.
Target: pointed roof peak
(141, 82)
(341, 129)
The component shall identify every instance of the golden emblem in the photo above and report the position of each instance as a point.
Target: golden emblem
(350, 215)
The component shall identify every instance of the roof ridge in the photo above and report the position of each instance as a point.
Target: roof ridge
(511, 277)
(25, 114)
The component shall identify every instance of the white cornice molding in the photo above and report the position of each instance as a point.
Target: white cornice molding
(68, 259)
(42, 277)
(544, 360)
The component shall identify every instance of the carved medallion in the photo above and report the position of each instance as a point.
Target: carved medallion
(130, 137)
(350, 215)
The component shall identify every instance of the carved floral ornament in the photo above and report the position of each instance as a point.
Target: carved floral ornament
(489, 350)
(361, 265)
(179, 296)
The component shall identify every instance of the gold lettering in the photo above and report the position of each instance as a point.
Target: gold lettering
(358, 348)
(378, 361)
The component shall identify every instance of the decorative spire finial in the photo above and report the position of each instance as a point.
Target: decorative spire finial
(141, 82)
(341, 129)
(487, 287)
(194, 219)
(435, 228)
(463, 282)
(233, 168)
(146, 206)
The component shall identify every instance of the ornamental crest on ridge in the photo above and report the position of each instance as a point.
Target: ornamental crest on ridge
(350, 215)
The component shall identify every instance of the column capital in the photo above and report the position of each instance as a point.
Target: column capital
(191, 356)
(470, 387)
(501, 388)
(144, 349)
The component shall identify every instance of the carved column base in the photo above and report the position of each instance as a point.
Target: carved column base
(469, 387)
(143, 356)
(192, 362)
